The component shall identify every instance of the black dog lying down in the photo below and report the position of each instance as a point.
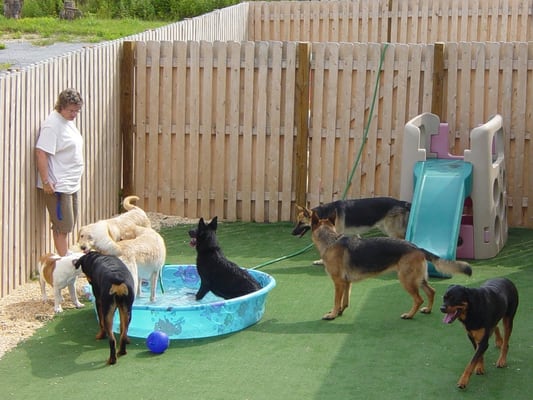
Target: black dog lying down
(113, 287)
(480, 311)
(218, 274)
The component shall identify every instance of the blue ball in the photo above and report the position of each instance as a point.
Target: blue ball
(157, 342)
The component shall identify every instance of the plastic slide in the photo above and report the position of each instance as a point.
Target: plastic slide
(440, 189)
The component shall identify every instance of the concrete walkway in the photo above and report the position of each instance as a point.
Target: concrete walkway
(20, 54)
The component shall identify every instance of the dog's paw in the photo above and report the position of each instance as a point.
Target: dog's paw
(425, 310)
(329, 316)
(58, 309)
(406, 316)
(79, 305)
(318, 262)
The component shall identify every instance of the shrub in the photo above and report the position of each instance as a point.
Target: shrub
(41, 8)
(162, 10)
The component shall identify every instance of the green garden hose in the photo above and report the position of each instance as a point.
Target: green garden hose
(354, 166)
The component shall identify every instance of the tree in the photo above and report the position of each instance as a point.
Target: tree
(13, 8)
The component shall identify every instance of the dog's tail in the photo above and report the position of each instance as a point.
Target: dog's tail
(448, 266)
(120, 289)
(127, 202)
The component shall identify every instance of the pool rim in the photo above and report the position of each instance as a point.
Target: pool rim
(258, 293)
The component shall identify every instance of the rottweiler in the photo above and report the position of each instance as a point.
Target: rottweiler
(480, 310)
(113, 287)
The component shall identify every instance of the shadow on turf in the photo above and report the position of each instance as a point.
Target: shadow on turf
(55, 350)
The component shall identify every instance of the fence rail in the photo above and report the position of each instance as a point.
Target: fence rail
(229, 110)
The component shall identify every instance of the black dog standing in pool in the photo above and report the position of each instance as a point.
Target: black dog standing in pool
(218, 274)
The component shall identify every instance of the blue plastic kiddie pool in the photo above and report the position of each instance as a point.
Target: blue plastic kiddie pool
(177, 313)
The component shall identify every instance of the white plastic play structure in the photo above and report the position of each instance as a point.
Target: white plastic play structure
(458, 202)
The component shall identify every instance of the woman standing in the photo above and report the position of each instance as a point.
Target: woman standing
(59, 158)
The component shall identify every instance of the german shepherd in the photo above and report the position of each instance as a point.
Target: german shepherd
(218, 274)
(480, 311)
(113, 287)
(351, 259)
(357, 216)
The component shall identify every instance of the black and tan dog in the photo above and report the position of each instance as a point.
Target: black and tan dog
(357, 216)
(351, 259)
(218, 274)
(480, 310)
(113, 287)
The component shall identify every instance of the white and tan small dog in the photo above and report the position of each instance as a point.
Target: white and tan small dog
(59, 272)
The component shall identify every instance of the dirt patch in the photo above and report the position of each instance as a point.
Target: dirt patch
(159, 220)
(23, 311)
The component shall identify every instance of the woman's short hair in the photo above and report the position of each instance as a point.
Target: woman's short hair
(68, 97)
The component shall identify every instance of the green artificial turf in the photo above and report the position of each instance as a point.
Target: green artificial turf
(368, 353)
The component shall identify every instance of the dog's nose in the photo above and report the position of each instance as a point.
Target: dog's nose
(443, 308)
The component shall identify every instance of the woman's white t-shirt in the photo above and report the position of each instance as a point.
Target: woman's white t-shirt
(63, 142)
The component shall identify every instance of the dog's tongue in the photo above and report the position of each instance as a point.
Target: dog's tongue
(192, 243)
(449, 318)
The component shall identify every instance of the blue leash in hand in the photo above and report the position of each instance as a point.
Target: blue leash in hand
(58, 207)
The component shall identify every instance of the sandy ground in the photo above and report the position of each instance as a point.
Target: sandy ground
(23, 311)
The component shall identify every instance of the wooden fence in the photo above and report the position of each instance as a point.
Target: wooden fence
(216, 123)
(396, 21)
(28, 95)
(225, 103)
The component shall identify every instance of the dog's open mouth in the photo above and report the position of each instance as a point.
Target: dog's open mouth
(192, 242)
(300, 230)
(85, 249)
(452, 316)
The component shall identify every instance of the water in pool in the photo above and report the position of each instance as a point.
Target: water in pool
(177, 312)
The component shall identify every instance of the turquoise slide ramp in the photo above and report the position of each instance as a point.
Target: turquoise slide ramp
(441, 187)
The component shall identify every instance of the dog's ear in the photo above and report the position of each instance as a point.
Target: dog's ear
(213, 223)
(314, 218)
(201, 222)
(333, 216)
(76, 263)
(113, 232)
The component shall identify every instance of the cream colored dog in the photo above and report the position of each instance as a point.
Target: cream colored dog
(104, 233)
(144, 256)
(59, 272)
(130, 237)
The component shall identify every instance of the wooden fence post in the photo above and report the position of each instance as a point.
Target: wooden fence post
(437, 99)
(302, 123)
(126, 115)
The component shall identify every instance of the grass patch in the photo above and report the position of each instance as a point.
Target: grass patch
(369, 353)
(46, 30)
